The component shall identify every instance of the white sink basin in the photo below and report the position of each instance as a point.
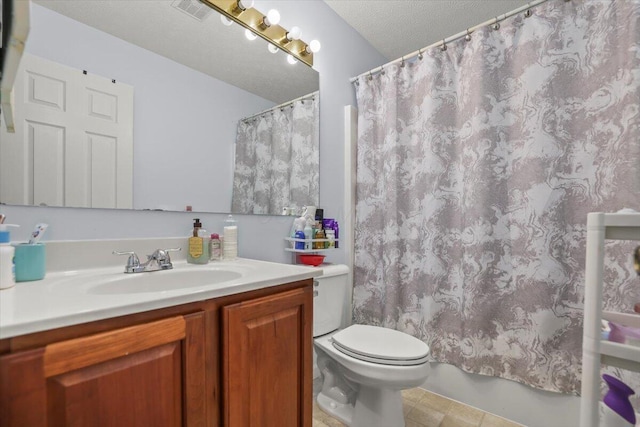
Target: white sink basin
(159, 281)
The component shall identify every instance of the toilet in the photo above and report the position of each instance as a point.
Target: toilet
(364, 368)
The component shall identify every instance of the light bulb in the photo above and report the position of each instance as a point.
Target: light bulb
(313, 47)
(249, 35)
(294, 34)
(245, 4)
(291, 60)
(272, 18)
(272, 48)
(226, 21)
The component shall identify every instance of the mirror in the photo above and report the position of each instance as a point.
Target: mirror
(194, 81)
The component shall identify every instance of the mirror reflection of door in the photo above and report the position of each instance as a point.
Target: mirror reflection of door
(73, 144)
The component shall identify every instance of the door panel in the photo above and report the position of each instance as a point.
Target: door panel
(85, 109)
(267, 361)
(150, 374)
(141, 389)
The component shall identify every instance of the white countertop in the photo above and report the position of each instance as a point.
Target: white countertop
(66, 298)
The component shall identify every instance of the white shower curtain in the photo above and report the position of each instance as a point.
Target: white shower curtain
(277, 159)
(476, 169)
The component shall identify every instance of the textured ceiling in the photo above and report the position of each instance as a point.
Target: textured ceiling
(396, 28)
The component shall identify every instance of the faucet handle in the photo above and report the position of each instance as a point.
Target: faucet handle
(132, 263)
(163, 254)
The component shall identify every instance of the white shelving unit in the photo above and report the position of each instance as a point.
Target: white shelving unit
(595, 351)
(295, 252)
(293, 240)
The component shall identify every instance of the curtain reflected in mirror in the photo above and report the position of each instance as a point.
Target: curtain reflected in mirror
(277, 159)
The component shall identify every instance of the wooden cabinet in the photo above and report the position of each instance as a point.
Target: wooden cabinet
(267, 353)
(242, 360)
(147, 374)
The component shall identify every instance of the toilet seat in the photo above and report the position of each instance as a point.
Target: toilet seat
(381, 345)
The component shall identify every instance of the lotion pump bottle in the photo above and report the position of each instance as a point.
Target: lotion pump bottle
(7, 252)
(198, 248)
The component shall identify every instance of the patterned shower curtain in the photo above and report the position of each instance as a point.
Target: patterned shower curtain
(476, 169)
(277, 159)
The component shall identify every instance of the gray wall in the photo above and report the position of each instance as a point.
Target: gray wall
(344, 54)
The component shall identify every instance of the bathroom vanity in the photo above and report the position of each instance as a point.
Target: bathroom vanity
(235, 353)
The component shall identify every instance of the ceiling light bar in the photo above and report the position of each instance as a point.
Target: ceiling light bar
(253, 20)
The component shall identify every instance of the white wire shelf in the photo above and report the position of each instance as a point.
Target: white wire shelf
(310, 241)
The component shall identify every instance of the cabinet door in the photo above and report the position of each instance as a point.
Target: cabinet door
(141, 375)
(267, 360)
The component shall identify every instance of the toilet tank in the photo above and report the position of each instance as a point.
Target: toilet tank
(330, 297)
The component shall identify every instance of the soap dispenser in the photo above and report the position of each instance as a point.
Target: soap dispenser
(198, 249)
(7, 253)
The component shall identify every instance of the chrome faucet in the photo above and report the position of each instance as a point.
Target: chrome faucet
(158, 260)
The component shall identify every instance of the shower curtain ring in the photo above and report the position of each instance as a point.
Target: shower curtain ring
(370, 76)
(382, 70)
(527, 13)
(402, 63)
(444, 46)
(468, 36)
(496, 25)
(420, 54)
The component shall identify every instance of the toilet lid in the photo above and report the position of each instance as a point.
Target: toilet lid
(381, 345)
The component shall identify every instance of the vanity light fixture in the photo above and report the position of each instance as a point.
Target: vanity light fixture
(226, 21)
(241, 12)
(291, 60)
(272, 18)
(313, 47)
(242, 5)
(249, 34)
(294, 34)
(272, 48)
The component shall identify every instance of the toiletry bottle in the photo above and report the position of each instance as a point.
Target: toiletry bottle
(198, 251)
(293, 231)
(204, 234)
(618, 410)
(215, 248)
(7, 252)
(308, 234)
(299, 235)
(319, 235)
(331, 236)
(230, 238)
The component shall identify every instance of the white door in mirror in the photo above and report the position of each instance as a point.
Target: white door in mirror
(76, 130)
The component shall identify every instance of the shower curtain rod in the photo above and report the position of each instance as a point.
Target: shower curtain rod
(284, 104)
(450, 39)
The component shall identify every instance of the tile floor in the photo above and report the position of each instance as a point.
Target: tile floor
(426, 409)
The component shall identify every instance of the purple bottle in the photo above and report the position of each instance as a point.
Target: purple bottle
(331, 224)
(617, 398)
